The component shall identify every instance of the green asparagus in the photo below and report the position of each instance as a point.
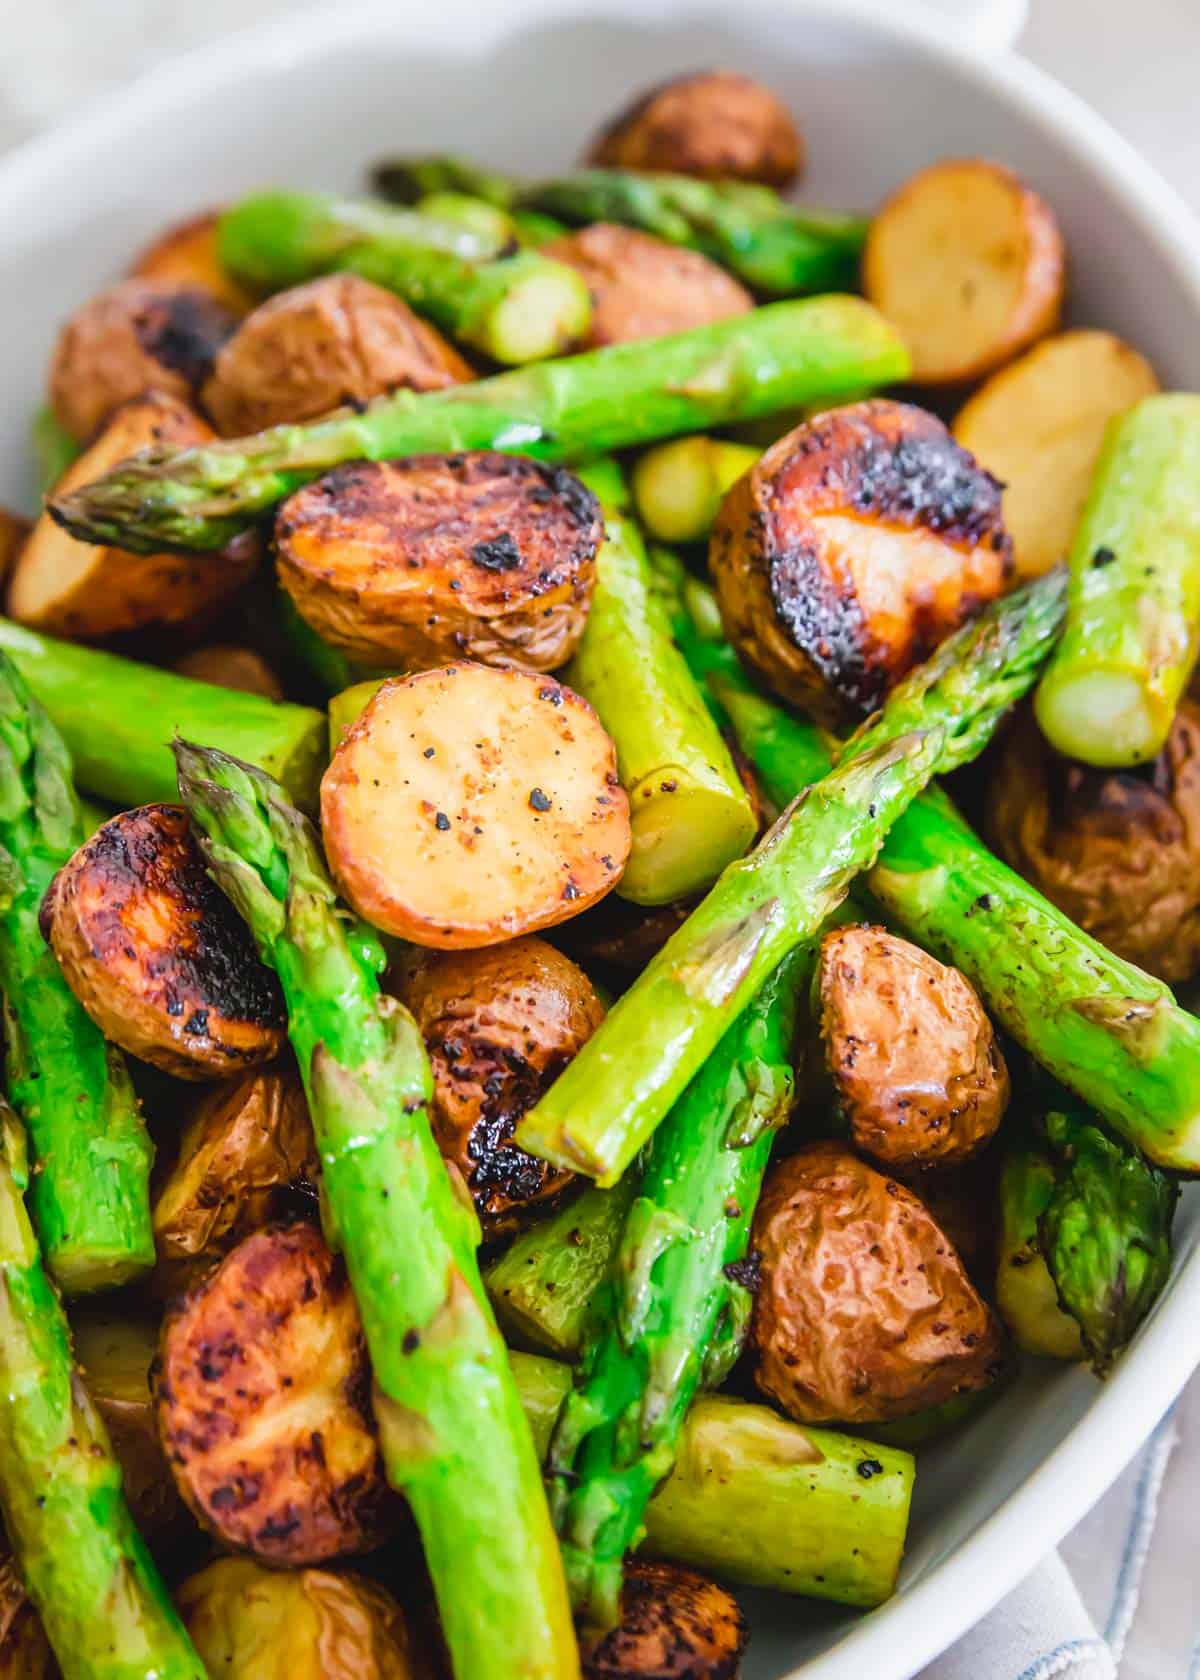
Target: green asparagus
(487, 221)
(584, 406)
(454, 1439)
(678, 486)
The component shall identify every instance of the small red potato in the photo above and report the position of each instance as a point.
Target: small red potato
(227, 666)
(711, 123)
(675, 1625)
(186, 256)
(644, 288)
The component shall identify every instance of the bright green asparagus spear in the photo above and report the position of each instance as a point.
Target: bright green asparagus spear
(514, 306)
(1133, 616)
(91, 1195)
(54, 449)
(1025, 1294)
(608, 1101)
(678, 486)
(454, 1439)
(584, 406)
(105, 1611)
(487, 221)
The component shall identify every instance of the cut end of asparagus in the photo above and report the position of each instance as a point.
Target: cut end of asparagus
(88, 1270)
(678, 486)
(684, 833)
(542, 315)
(1103, 718)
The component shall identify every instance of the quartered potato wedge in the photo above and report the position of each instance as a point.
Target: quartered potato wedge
(186, 256)
(642, 287)
(712, 123)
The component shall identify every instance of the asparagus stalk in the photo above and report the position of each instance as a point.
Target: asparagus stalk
(487, 221)
(608, 1101)
(515, 307)
(105, 1611)
(91, 1194)
(1133, 615)
(454, 1438)
(678, 486)
(588, 405)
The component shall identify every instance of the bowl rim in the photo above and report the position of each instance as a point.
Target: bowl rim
(912, 1629)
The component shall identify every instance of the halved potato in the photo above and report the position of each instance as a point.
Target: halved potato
(186, 255)
(228, 666)
(675, 1625)
(334, 340)
(157, 955)
(437, 557)
(642, 287)
(263, 1403)
(968, 263)
(858, 542)
(713, 123)
(469, 805)
(1038, 426)
(84, 591)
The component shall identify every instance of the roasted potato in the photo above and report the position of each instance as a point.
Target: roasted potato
(969, 265)
(246, 1157)
(1118, 850)
(675, 1625)
(83, 590)
(863, 1311)
(642, 287)
(858, 542)
(1038, 426)
(186, 255)
(263, 1403)
(228, 666)
(916, 1070)
(504, 786)
(712, 123)
(499, 1026)
(25, 1652)
(339, 339)
(137, 336)
(14, 534)
(416, 562)
(157, 955)
(622, 935)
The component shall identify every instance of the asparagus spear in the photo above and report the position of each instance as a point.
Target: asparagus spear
(587, 405)
(678, 486)
(608, 1101)
(106, 1613)
(453, 1436)
(91, 1194)
(487, 221)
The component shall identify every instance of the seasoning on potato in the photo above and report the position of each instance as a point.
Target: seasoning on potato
(157, 955)
(505, 789)
(675, 1625)
(712, 123)
(856, 544)
(186, 256)
(642, 287)
(228, 666)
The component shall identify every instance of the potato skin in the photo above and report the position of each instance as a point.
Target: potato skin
(855, 545)
(439, 557)
(863, 1311)
(228, 666)
(334, 340)
(1117, 850)
(263, 1403)
(675, 1625)
(499, 1025)
(713, 123)
(186, 255)
(914, 1061)
(157, 955)
(642, 287)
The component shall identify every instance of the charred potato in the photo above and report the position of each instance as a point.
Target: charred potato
(263, 1403)
(228, 666)
(499, 1026)
(84, 590)
(157, 955)
(246, 1157)
(25, 1652)
(138, 336)
(1117, 850)
(863, 1310)
(339, 339)
(916, 1070)
(505, 787)
(858, 542)
(437, 557)
(675, 1625)
(712, 123)
(642, 287)
(186, 255)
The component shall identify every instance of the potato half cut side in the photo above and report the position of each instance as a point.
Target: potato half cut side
(263, 1407)
(157, 955)
(712, 123)
(969, 265)
(851, 549)
(469, 805)
(227, 666)
(644, 288)
(674, 1623)
(186, 255)
(1038, 425)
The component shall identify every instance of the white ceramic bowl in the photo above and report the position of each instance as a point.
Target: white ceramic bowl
(314, 99)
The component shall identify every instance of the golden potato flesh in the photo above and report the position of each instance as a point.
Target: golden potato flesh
(85, 590)
(675, 1625)
(469, 805)
(1118, 850)
(186, 255)
(246, 1157)
(339, 339)
(436, 557)
(712, 123)
(157, 955)
(263, 1401)
(858, 542)
(138, 336)
(916, 1069)
(863, 1310)
(227, 666)
(499, 1025)
(25, 1652)
(644, 288)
